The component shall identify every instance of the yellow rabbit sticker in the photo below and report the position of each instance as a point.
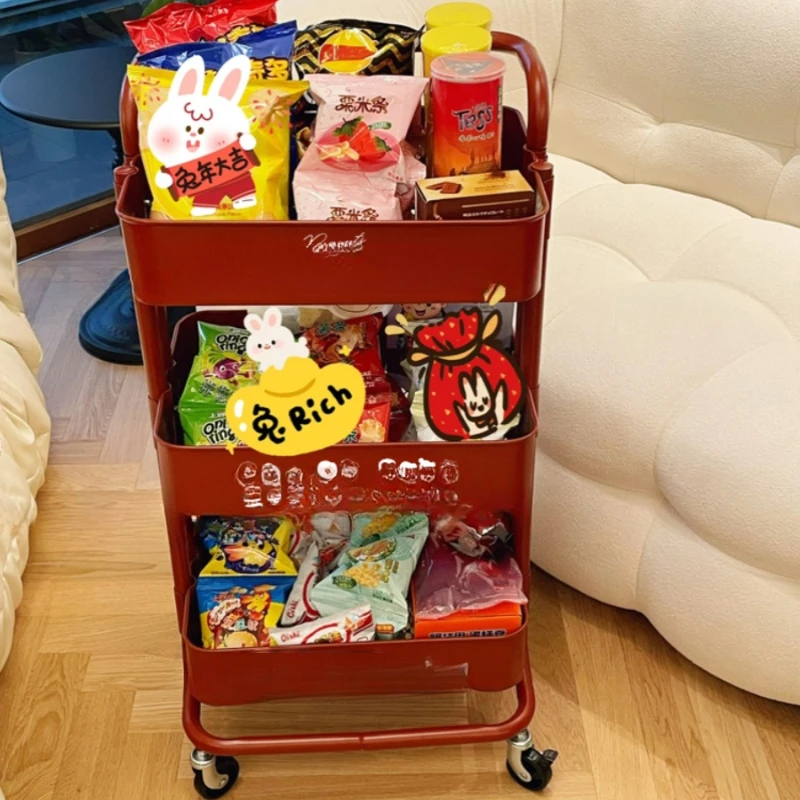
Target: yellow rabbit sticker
(298, 407)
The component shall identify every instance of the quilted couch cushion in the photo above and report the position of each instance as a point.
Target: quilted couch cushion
(670, 444)
(24, 431)
(696, 96)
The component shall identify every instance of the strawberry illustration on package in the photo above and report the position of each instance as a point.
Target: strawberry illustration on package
(472, 388)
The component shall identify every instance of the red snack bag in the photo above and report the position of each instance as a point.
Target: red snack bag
(178, 23)
(400, 417)
(472, 389)
(375, 422)
(352, 341)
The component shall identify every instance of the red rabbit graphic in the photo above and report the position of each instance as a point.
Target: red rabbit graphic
(471, 386)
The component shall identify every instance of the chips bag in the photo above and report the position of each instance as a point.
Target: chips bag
(238, 612)
(218, 370)
(205, 425)
(269, 50)
(214, 146)
(354, 46)
(177, 23)
(220, 367)
(220, 532)
(266, 554)
(353, 168)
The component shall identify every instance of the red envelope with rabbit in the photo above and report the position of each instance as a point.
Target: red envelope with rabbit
(472, 388)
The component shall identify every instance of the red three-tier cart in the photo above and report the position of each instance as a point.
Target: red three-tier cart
(180, 263)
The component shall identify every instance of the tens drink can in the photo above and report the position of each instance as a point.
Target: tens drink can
(466, 114)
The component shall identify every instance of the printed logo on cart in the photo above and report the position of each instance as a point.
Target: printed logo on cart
(321, 245)
(298, 406)
(472, 388)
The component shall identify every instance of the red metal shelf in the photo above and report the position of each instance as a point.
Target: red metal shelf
(229, 263)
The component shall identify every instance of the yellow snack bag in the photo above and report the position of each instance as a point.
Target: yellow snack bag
(215, 146)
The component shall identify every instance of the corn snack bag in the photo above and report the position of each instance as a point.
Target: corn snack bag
(376, 569)
(214, 146)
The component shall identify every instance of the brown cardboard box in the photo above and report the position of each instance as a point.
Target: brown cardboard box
(490, 195)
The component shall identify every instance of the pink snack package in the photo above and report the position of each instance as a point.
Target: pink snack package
(447, 581)
(344, 197)
(354, 166)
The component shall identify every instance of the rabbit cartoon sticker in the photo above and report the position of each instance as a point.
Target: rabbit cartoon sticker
(270, 344)
(483, 407)
(204, 140)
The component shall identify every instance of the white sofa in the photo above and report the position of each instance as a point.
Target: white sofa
(669, 452)
(669, 456)
(24, 431)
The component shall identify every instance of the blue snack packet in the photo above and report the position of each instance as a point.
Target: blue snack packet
(270, 50)
(239, 612)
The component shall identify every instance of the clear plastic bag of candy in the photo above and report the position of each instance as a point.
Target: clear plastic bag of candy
(447, 581)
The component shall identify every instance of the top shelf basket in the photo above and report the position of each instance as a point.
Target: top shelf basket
(179, 263)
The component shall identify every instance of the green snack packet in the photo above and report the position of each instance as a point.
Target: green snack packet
(220, 368)
(205, 425)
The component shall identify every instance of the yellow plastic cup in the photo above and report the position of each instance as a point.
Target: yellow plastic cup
(453, 39)
(459, 14)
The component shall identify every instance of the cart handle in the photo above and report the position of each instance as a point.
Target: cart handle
(376, 740)
(538, 100)
(538, 89)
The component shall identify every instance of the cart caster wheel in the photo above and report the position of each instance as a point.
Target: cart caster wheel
(214, 776)
(526, 765)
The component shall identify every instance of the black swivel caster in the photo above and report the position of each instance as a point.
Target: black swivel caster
(214, 776)
(526, 765)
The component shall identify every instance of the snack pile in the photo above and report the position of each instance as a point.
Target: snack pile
(327, 578)
(243, 118)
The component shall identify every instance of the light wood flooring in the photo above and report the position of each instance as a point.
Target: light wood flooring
(90, 699)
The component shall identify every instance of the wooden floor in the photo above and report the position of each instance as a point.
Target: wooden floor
(90, 700)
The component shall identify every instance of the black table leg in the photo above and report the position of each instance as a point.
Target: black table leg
(119, 153)
(108, 330)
